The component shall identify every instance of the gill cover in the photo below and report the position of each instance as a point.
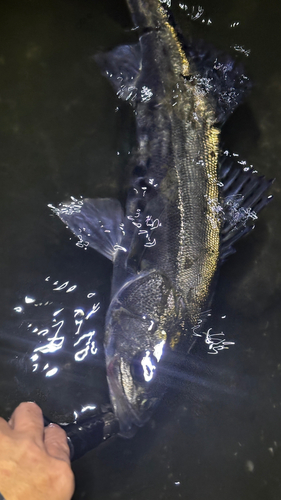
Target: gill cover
(138, 327)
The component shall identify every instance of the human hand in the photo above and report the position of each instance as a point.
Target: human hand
(34, 462)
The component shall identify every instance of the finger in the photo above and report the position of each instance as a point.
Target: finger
(11, 421)
(28, 419)
(55, 441)
(4, 426)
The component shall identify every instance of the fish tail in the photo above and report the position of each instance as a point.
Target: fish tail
(147, 14)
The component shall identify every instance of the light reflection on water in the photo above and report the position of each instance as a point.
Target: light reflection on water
(186, 453)
(72, 324)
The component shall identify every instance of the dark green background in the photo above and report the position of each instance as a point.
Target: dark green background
(219, 435)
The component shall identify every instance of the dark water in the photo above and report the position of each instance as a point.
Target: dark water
(218, 432)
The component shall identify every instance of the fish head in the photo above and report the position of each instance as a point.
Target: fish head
(137, 344)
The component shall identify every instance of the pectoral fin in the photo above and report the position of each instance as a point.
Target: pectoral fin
(97, 223)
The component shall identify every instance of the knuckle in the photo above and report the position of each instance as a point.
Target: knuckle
(64, 468)
(31, 450)
(67, 476)
(61, 473)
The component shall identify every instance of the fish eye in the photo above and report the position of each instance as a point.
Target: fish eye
(143, 366)
(146, 403)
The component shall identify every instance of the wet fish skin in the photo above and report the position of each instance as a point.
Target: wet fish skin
(167, 247)
(162, 281)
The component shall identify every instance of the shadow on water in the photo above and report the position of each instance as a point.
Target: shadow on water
(241, 129)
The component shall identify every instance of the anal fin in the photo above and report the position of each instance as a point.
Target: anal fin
(245, 195)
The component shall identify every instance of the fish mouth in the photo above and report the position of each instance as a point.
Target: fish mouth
(129, 419)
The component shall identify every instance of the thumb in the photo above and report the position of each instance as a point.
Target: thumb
(55, 441)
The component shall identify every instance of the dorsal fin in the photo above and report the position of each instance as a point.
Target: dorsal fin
(122, 67)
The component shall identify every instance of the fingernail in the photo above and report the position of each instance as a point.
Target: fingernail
(54, 425)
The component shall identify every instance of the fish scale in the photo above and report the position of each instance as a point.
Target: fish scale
(177, 228)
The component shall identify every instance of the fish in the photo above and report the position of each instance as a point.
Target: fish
(186, 205)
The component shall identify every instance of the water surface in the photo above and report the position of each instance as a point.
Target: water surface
(64, 133)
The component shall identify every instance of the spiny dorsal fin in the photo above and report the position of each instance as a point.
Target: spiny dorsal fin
(122, 67)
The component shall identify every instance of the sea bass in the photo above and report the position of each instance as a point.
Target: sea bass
(167, 247)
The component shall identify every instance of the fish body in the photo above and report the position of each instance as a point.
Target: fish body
(169, 252)
(167, 246)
